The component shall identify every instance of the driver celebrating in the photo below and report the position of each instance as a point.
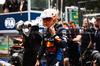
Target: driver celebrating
(52, 43)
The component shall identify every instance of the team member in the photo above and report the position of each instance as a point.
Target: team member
(85, 40)
(72, 52)
(97, 34)
(85, 37)
(52, 43)
(97, 38)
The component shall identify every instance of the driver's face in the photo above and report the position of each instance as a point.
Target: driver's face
(47, 22)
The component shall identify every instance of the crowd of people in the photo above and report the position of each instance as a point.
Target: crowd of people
(14, 6)
(64, 45)
(86, 37)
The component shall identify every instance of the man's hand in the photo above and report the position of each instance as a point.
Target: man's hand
(64, 49)
(52, 30)
(37, 63)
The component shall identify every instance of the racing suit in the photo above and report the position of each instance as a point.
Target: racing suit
(52, 47)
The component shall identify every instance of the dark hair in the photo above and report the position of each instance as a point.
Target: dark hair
(97, 19)
(91, 24)
(72, 22)
(15, 2)
(65, 23)
(7, 2)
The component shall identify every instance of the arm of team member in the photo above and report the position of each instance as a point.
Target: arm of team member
(78, 38)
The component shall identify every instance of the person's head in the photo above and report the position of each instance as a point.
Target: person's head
(49, 17)
(91, 24)
(72, 25)
(14, 1)
(85, 22)
(65, 24)
(6, 1)
(97, 22)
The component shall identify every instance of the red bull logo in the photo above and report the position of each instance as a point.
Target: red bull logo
(48, 44)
